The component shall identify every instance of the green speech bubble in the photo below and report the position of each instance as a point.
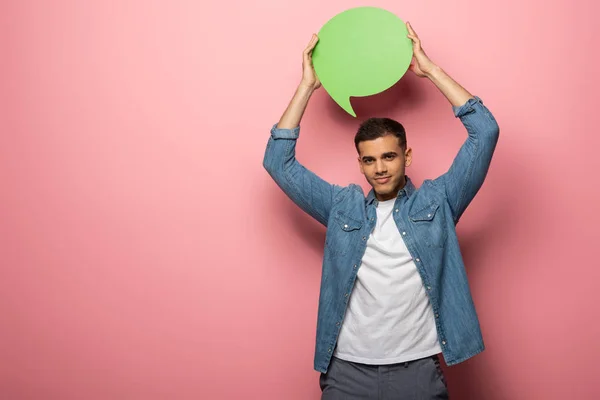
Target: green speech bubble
(361, 52)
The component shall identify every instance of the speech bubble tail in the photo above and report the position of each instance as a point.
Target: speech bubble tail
(344, 102)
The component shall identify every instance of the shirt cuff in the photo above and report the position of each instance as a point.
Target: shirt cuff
(284, 133)
(467, 108)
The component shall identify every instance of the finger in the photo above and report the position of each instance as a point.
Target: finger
(306, 59)
(410, 29)
(307, 54)
(413, 34)
(312, 43)
(416, 42)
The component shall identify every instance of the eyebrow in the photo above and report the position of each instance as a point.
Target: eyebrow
(389, 153)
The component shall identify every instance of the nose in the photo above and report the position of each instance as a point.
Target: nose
(380, 167)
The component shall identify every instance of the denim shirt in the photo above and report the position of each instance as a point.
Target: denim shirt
(426, 218)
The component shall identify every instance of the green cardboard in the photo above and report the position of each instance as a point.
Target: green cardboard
(361, 52)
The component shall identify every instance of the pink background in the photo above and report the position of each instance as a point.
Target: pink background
(146, 254)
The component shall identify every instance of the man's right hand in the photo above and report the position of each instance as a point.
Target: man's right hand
(295, 110)
(309, 77)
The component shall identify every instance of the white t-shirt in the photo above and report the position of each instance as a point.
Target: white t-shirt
(389, 318)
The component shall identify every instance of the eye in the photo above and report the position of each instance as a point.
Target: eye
(390, 157)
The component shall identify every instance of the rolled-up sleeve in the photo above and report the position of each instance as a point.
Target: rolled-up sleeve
(311, 193)
(470, 167)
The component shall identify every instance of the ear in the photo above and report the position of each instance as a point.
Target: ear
(360, 165)
(408, 157)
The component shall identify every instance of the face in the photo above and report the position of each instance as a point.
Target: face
(383, 163)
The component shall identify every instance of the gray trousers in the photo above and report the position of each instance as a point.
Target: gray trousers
(420, 379)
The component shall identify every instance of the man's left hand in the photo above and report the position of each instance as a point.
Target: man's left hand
(421, 65)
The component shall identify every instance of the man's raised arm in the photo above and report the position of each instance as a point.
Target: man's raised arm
(469, 168)
(311, 193)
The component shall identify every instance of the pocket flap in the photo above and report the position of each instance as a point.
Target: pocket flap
(425, 214)
(346, 222)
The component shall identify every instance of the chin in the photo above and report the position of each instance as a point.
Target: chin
(383, 190)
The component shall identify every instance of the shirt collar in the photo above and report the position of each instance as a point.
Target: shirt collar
(407, 191)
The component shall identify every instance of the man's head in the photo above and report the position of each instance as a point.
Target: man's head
(383, 155)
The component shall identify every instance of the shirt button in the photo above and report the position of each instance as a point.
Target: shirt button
(396, 210)
(437, 315)
(428, 215)
(329, 350)
(404, 233)
(364, 238)
(428, 287)
(337, 324)
(444, 342)
(418, 259)
(346, 226)
(346, 295)
(354, 266)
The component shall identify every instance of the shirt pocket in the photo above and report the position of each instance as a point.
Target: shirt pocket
(343, 234)
(428, 223)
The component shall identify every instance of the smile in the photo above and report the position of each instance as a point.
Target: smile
(383, 180)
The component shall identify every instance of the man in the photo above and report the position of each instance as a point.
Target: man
(394, 293)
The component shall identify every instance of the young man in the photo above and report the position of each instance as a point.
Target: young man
(394, 293)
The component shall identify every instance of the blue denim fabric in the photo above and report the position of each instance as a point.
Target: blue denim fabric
(426, 218)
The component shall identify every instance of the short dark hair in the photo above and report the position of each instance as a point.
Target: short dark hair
(374, 128)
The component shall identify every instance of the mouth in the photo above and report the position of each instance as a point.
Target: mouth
(383, 180)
